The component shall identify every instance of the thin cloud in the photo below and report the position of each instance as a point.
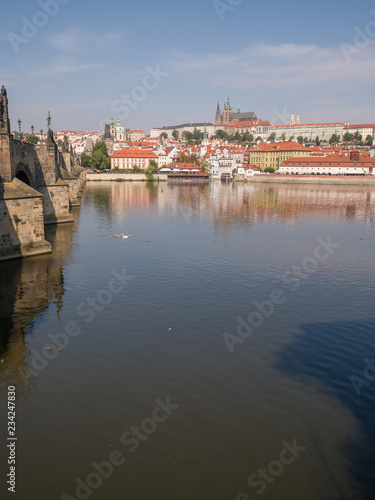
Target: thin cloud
(286, 66)
(69, 41)
(109, 38)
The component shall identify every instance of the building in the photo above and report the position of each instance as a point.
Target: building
(310, 131)
(208, 129)
(135, 135)
(272, 155)
(229, 117)
(117, 131)
(363, 130)
(335, 164)
(127, 158)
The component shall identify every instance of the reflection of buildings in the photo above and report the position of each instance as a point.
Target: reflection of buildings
(225, 201)
(290, 203)
(27, 288)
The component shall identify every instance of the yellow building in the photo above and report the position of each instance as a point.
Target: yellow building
(266, 155)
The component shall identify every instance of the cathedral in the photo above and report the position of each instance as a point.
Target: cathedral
(229, 117)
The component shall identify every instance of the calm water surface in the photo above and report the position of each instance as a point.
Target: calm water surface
(173, 334)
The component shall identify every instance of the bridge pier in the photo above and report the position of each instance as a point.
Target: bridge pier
(52, 183)
(21, 221)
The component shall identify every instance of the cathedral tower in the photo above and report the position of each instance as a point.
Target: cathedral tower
(227, 114)
(218, 120)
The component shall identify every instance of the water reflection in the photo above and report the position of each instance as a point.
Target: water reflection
(28, 288)
(331, 353)
(236, 204)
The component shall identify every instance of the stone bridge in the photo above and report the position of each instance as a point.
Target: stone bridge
(38, 185)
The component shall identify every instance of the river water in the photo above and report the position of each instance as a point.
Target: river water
(225, 351)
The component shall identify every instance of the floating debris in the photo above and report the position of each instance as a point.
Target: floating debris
(48, 348)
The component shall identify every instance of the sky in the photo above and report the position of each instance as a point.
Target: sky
(166, 63)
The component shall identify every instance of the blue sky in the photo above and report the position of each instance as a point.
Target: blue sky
(87, 60)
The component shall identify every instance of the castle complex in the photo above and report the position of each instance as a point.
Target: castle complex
(229, 117)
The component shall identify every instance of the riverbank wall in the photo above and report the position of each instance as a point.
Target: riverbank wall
(311, 179)
(123, 177)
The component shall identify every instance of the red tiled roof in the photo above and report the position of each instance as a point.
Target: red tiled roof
(134, 153)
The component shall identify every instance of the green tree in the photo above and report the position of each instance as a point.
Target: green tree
(369, 140)
(151, 170)
(272, 137)
(99, 158)
(197, 134)
(187, 135)
(175, 134)
(317, 141)
(32, 138)
(247, 137)
(300, 139)
(136, 169)
(86, 160)
(335, 139)
(221, 134)
(271, 170)
(357, 137)
(283, 137)
(347, 137)
(163, 135)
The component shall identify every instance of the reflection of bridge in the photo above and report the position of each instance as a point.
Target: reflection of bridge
(38, 185)
(29, 287)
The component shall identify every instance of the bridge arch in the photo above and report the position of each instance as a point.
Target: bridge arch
(23, 173)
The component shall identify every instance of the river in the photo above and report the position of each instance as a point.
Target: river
(225, 351)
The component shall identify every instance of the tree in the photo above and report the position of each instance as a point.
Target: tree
(163, 135)
(272, 137)
(317, 141)
(86, 160)
(335, 139)
(136, 169)
(151, 170)
(32, 138)
(247, 137)
(175, 134)
(187, 135)
(99, 158)
(283, 137)
(197, 134)
(270, 170)
(369, 140)
(300, 139)
(347, 137)
(221, 134)
(357, 137)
